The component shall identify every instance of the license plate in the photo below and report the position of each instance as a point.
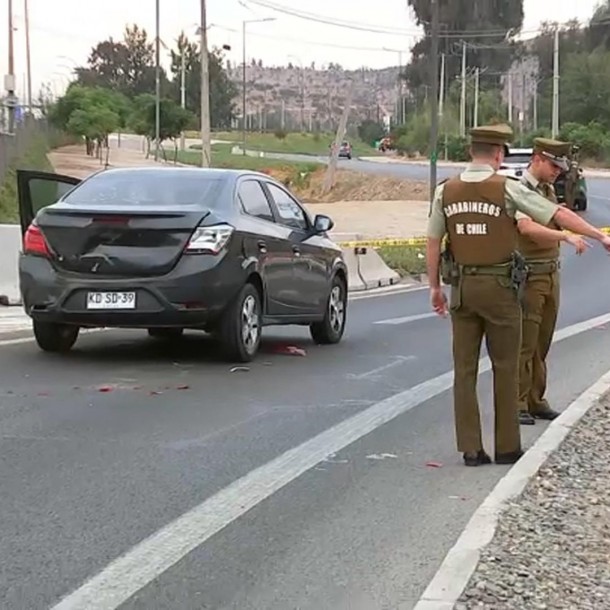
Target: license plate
(111, 300)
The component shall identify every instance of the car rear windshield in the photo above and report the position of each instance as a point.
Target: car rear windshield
(520, 159)
(160, 188)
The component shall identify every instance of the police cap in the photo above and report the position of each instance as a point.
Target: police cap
(497, 135)
(555, 151)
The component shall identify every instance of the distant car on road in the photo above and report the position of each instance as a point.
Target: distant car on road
(516, 162)
(165, 249)
(345, 150)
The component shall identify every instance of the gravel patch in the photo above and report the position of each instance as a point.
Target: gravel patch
(551, 549)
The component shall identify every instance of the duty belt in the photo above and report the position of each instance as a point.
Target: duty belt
(500, 270)
(543, 267)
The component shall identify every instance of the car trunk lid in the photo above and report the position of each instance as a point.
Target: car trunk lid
(112, 242)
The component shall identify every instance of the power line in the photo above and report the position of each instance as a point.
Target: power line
(376, 29)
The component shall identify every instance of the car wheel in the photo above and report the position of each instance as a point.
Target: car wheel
(57, 338)
(241, 326)
(166, 334)
(581, 204)
(330, 330)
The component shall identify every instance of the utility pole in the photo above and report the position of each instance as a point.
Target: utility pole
(463, 97)
(536, 106)
(441, 95)
(157, 81)
(243, 89)
(329, 179)
(27, 55)
(522, 111)
(9, 81)
(434, 119)
(555, 126)
(182, 92)
(477, 73)
(510, 97)
(206, 147)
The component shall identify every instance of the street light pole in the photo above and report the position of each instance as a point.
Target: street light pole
(157, 81)
(28, 56)
(206, 148)
(434, 119)
(244, 84)
(243, 101)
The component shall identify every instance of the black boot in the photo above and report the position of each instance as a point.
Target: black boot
(547, 414)
(509, 458)
(476, 458)
(525, 419)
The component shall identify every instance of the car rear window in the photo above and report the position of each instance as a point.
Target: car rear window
(160, 188)
(521, 159)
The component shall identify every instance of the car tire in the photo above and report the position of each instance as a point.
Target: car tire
(330, 330)
(580, 205)
(241, 325)
(55, 338)
(166, 334)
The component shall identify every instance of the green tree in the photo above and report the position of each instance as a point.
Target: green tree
(173, 120)
(463, 21)
(91, 113)
(222, 89)
(126, 66)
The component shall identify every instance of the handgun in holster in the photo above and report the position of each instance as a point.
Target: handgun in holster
(450, 271)
(519, 271)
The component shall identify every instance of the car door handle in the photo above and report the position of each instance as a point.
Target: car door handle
(262, 246)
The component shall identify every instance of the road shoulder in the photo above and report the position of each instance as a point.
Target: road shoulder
(481, 542)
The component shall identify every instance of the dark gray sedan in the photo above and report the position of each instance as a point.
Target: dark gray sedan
(165, 249)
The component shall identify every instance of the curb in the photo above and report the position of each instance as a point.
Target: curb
(449, 582)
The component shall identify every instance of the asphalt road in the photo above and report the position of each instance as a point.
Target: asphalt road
(264, 522)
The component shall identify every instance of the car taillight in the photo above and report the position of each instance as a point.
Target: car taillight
(209, 240)
(35, 243)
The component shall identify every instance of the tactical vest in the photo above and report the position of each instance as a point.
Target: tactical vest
(480, 231)
(532, 250)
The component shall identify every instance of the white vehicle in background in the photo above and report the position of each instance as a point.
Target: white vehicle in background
(516, 162)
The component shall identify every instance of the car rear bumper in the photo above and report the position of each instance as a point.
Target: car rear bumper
(191, 295)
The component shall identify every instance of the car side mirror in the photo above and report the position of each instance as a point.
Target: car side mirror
(322, 223)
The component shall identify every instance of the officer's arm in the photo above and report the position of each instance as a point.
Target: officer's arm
(571, 221)
(436, 231)
(536, 232)
(543, 211)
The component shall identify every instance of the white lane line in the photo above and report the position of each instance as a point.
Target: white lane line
(406, 319)
(380, 369)
(139, 566)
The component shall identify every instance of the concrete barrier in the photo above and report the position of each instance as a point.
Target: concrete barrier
(10, 243)
(373, 271)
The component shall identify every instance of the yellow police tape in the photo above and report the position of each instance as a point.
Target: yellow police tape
(412, 241)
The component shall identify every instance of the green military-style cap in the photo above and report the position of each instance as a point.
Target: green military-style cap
(557, 152)
(498, 135)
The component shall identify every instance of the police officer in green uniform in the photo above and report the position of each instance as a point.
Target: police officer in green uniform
(541, 294)
(476, 210)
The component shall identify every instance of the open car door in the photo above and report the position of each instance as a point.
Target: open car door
(37, 190)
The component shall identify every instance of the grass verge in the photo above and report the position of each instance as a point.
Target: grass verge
(34, 158)
(405, 260)
(292, 143)
(292, 174)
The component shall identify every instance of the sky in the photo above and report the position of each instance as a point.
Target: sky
(63, 31)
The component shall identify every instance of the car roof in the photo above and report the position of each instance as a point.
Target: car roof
(520, 151)
(214, 173)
